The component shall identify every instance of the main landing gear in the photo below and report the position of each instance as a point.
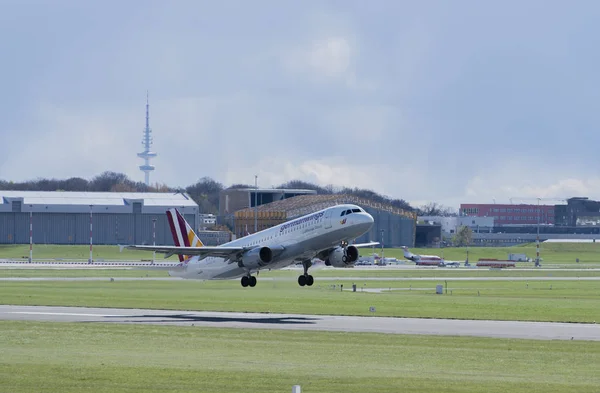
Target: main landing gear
(248, 281)
(306, 279)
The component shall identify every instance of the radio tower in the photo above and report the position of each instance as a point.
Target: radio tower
(147, 142)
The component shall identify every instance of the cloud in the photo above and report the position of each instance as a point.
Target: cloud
(326, 59)
(62, 143)
(483, 190)
(426, 103)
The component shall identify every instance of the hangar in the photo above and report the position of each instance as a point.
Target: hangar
(393, 227)
(234, 199)
(64, 217)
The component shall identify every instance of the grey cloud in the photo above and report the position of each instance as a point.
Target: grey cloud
(418, 101)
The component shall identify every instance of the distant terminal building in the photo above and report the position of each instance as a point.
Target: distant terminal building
(448, 227)
(579, 211)
(511, 214)
(579, 218)
(234, 199)
(393, 227)
(63, 217)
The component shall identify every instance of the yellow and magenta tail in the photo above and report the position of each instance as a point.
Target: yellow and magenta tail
(183, 234)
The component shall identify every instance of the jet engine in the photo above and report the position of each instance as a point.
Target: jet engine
(340, 258)
(256, 257)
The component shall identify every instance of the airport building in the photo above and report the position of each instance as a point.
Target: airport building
(393, 227)
(62, 217)
(207, 221)
(428, 235)
(520, 214)
(579, 211)
(578, 219)
(233, 199)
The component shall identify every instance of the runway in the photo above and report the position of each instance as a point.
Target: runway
(317, 279)
(116, 265)
(445, 327)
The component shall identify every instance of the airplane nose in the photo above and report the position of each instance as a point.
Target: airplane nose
(367, 219)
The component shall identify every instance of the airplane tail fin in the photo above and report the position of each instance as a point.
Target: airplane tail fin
(407, 253)
(183, 234)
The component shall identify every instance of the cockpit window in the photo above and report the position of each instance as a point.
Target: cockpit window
(355, 210)
(348, 211)
(344, 212)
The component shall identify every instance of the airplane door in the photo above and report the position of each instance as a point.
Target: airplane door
(327, 218)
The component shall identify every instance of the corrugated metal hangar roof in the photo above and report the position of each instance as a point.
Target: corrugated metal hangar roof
(96, 198)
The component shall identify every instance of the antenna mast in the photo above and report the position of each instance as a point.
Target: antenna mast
(147, 154)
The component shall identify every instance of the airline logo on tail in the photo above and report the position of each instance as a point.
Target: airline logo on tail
(183, 234)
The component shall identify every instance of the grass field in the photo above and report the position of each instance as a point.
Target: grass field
(563, 253)
(76, 357)
(63, 357)
(374, 272)
(564, 301)
(79, 252)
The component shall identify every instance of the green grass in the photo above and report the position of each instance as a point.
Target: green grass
(320, 274)
(50, 272)
(66, 357)
(549, 252)
(563, 253)
(436, 272)
(563, 301)
(79, 252)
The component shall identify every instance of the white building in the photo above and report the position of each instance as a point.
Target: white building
(451, 224)
(477, 224)
(207, 220)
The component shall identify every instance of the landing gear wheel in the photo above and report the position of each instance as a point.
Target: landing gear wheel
(344, 258)
(306, 279)
(245, 281)
(302, 280)
(252, 281)
(310, 280)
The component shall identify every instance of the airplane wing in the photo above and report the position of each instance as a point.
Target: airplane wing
(205, 251)
(370, 244)
(163, 267)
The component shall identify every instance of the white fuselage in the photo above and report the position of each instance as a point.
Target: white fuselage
(421, 258)
(301, 238)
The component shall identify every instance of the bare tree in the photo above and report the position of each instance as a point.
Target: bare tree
(435, 209)
(206, 194)
(463, 236)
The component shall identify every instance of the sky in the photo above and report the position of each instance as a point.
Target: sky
(430, 101)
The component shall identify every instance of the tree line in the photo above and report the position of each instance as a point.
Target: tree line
(205, 192)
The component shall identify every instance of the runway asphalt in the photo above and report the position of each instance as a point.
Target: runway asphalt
(317, 278)
(446, 327)
(23, 264)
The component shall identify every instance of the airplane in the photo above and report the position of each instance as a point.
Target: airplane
(423, 260)
(323, 235)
